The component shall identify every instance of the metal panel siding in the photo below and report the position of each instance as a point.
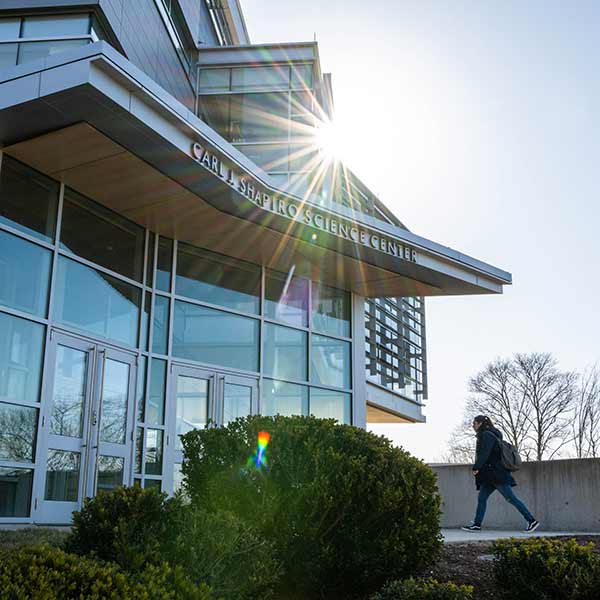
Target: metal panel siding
(147, 44)
(191, 14)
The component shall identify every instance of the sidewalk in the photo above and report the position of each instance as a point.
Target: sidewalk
(452, 536)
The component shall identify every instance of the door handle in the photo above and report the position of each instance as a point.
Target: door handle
(94, 418)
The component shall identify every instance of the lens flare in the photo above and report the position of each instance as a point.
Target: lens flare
(260, 458)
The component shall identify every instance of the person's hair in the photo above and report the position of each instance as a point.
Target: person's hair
(485, 421)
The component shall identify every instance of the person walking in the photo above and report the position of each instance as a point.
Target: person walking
(490, 474)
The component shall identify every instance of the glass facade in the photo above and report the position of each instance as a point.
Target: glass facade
(23, 39)
(71, 266)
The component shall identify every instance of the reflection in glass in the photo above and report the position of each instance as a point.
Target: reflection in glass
(164, 264)
(96, 302)
(302, 76)
(69, 392)
(115, 394)
(237, 402)
(110, 472)
(154, 451)
(15, 491)
(192, 404)
(150, 259)
(286, 298)
(214, 80)
(215, 337)
(217, 279)
(286, 399)
(331, 310)
(177, 478)
(269, 157)
(62, 476)
(24, 273)
(18, 428)
(145, 324)
(28, 200)
(29, 51)
(155, 411)
(101, 236)
(259, 117)
(329, 404)
(285, 351)
(56, 25)
(21, 352)
(139, 449)
(271, 77)
(330, 361)
(141, 390)
(160, 332)
(154, 484)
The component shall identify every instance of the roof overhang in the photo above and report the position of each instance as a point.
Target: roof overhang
(93, 120)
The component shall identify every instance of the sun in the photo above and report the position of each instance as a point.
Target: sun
(330, 141)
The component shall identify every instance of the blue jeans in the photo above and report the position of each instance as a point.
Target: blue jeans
(505, 489)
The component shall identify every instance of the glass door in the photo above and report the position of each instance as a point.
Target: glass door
(238, 397)
(87, 425)
(191, 406)
(197, 397)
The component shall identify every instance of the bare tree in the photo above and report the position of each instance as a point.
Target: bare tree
(461, 444)
(585, 424)
(496, 392)
(550, 396)
(528, 398)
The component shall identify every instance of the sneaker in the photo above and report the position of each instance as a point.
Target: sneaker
(471, 527)
(532, 526)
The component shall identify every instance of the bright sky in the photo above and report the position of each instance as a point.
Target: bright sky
(478, 124)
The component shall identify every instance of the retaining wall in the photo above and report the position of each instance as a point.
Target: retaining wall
(564, 495)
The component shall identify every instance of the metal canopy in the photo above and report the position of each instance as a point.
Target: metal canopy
(93, 120)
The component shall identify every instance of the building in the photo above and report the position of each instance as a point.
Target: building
(175, 248)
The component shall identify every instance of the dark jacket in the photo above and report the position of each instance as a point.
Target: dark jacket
(488, 459)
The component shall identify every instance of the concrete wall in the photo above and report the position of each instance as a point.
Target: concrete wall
(564, 495)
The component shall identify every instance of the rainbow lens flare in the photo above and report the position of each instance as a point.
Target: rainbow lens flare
(260, 458)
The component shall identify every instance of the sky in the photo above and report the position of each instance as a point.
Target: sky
(478, 124)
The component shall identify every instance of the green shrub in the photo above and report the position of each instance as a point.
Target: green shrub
(546, 570)
(423, 589)
(129, 526)
(45, 573)
(344, 508)
(225, 552)
(47, 536)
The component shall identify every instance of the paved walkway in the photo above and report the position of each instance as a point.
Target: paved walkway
(458, 535)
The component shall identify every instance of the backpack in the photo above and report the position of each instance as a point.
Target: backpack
(509, 455)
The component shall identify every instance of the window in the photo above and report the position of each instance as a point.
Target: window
(286, 299)
(18, 432)
(330, 362)
(49, 34)
(329, 404)
(331, 310)
(28, 200)
(21, 354)
(96, 302)
(15, 491)
(215, 337)
(286, 399)
(217, 279)
(101, 236)
(24, 275)
(285, 352)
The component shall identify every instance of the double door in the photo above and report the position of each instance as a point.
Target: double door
(200, 396)
(87, 425)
